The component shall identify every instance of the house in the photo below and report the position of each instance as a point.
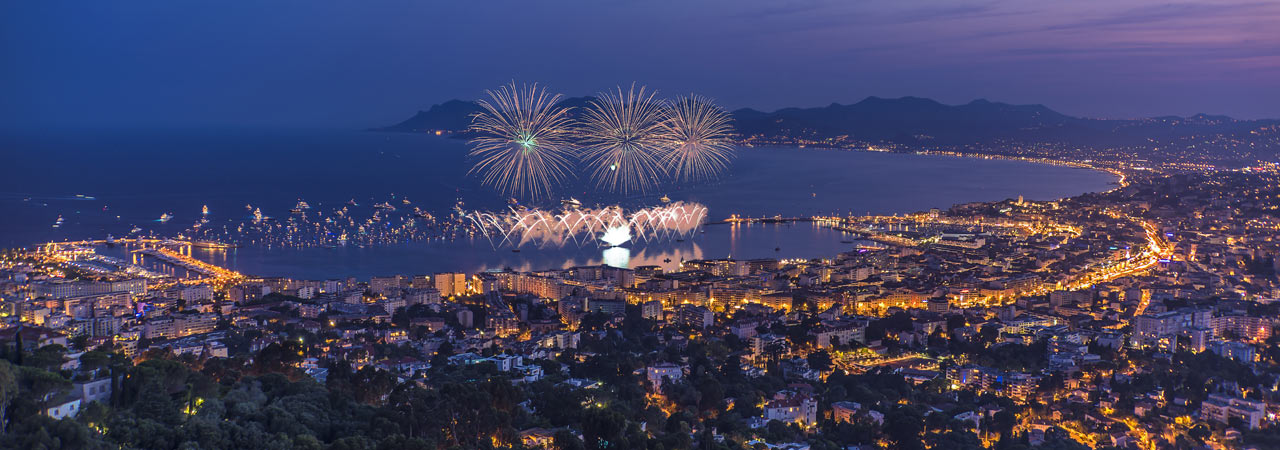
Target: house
(69, 406)
(792, 407)
(657, 372)
(844, 411)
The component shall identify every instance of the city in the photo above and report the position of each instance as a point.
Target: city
(1141, 317)
(583, 225)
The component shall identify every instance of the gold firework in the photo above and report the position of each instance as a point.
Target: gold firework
(698, 139)
(622, 137)
(523, 145)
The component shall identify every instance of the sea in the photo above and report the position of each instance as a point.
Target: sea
(111, 183)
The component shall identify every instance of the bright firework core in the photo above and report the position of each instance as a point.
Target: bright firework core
(615, 236)
(611, 226)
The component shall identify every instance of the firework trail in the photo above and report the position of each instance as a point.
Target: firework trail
(622, 137)
(581, 226)
(697, 134)
(523, 146)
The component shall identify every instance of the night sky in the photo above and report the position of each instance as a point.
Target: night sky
(355, 64)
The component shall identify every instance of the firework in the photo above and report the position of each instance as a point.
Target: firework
(611, 225)
(622, 136)
(523, 145)
(697, 134)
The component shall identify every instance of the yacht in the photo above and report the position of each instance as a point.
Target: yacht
(385, 205)
(352, 202)
(205, 210)
(300, 207)
(135, 230)
(665, 199)
(571, 203)
(58, 223)
(257, 215)
(165, 217)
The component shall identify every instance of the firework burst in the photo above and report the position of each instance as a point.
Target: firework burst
(610, 225)
(622, 137)
(697, 134)
(523, 144)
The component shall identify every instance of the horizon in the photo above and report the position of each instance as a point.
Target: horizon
(331, 64)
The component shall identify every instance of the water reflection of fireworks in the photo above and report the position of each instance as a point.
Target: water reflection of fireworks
(517, 227)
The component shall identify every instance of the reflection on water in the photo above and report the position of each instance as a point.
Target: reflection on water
(335, 170)
(617, 257)
(799, 240)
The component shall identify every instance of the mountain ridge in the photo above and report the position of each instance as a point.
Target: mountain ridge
(905, 120)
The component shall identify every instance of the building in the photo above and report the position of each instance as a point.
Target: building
(828, 335)
(62, 289)
(656, 373)
(610, 307)
(792, 407)
(844, 411)
(1221, 408)
(1238, 351)
(451, 284)
(386, 286)
(98, 390)
(693, 316)
(67, 407)
(651, 310)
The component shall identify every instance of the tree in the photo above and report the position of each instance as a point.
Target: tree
(566, 440)
(8, 389)
(820, 360)
(93, 360)
(904, 426)
(49, 357)
(602, 428)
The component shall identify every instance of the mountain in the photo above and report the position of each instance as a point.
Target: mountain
(914, 121)
(454, 116)
(904, 119)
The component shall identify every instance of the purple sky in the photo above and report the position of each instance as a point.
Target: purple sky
(354, 64)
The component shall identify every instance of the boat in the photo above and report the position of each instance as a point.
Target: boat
(165, 217)
(205, 210)
(405, 201)
(248, 207)
(352, 202)
(257, 215)
(777, 249)
(513, 201)
(385, 205)
(300, 207)
(211, 244)
(571, 203)
(58, 223)
(665, 199)
(135, 230)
